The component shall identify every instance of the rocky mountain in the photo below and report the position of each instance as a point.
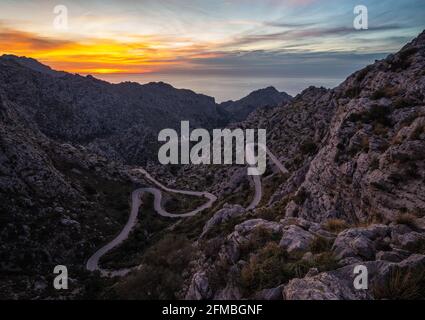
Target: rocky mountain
(64, 140)
(115, 120)
(353, 194)
(268, 97)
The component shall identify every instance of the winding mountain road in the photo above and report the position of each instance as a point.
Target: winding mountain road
(93, 262)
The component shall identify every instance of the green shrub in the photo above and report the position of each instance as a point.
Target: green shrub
(161, 274)
(405, 54)
(378, 115)
(374, 165)
(326, 261)
(268, 269)
(272, 266)
(258, 239)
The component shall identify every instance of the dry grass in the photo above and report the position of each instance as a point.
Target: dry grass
(402, 285)
(335, 225)
(320, 244)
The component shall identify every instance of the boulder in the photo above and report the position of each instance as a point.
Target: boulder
(359, 242)
(412, 241)
(228, 212)
(296, 240)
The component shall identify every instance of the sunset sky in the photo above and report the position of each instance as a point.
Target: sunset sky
(196, 41)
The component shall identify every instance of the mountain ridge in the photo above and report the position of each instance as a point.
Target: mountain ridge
(261, 98)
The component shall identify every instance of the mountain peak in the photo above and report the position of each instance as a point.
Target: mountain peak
(261, 98)
(267, 89)
(30, 63)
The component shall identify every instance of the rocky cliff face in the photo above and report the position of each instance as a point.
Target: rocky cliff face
(371, 164)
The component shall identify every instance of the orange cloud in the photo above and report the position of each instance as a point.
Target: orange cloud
(140, 55)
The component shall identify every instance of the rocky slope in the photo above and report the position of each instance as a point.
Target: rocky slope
(63, 186)
(355, 195)
(117, 121)
(58, 202)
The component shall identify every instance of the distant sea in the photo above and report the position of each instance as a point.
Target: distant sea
(224, 88)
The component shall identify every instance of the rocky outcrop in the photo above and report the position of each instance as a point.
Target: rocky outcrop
(361, 243)
(228, 212)
(339, 284)
(296, 240)
(267, 97)
(371, 164)
(199, 288)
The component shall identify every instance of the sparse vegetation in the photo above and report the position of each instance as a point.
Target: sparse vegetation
(258, 239)
(320, 244)
(378, 115)
(335, 225)
(406, 53)
(353, 92)
(161, 274)
(147, 232)
(272, 266)
(384, 92)
(267, 269)
(363, 73)
(270, 185)
(402, 285)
